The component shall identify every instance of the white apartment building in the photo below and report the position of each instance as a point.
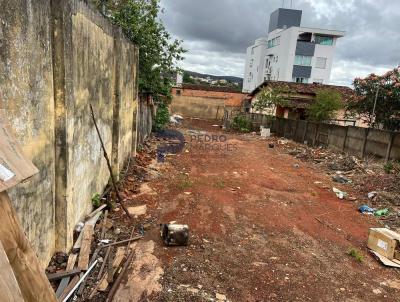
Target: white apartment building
(290, 53)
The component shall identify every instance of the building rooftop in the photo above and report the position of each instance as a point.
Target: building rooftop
(302, 88)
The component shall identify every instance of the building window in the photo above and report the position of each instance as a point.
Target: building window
(323, 40)
(300, 80)
(302, 60)
(320, 63)
(274, 42)
(178, 92)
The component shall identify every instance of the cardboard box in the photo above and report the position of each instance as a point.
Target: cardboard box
(384, 242)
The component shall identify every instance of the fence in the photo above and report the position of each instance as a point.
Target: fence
(349, 139)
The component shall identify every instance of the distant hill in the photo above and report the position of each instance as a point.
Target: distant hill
(230, 79)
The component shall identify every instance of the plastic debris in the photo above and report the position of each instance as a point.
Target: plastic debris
(339, 194)
(372, 195)
(382, 212)
(341, 179)
(366, 210)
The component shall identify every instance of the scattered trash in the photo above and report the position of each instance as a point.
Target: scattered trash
(215, 125)
(105, 241)
(79, 227)
(364, 209)
(341, 179)
(377, 291)
(372, 195)
(271, 146)
(175, 119)
(382, 212)
(339, 194)
(175, 234)
(265, 132)
(296, 165)
(384, 243)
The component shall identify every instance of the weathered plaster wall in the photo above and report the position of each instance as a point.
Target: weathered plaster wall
(205, 104)
(98, 67)
(57, 57)
(26, 94)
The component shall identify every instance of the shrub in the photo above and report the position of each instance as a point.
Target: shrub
(242, 124)
(325, 106)
(162, 117)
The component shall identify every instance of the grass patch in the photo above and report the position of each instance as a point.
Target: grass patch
(356, 255)
(184, 183)
(220, 184)
(388, 167)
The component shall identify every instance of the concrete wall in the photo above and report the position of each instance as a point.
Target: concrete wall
(57, 57)
(353, 140)
(205, 104)
(26, 94)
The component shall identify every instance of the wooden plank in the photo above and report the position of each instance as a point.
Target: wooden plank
(103, 225)
(389, 147)
(365, 140)
(9, 288)
(119, 256)
(64, 282)
(27, 270)
(70, 286)
(14, 165)
(87, 237)
(98, 210)
(345, 138)
(61, 275)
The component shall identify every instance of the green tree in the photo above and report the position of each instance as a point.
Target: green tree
(158, 52)
(269, 98)
(187, 79)
(385, 90)
(326, 104)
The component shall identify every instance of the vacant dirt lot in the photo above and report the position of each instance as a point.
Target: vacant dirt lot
(262, 229)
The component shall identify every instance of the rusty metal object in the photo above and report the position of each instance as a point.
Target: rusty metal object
(175, 234)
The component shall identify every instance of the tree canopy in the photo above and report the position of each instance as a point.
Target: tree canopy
(158, 52)
(386, 90)
(327, 103)
(269, 98)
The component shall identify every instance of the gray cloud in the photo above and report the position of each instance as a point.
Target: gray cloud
(217, 33)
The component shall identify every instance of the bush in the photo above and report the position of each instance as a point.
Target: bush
(325, 106)
(242, 124)
(162, 117)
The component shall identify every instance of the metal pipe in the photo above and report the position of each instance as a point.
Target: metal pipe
(80, 281)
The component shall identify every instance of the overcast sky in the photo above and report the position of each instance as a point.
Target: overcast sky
(216, 33)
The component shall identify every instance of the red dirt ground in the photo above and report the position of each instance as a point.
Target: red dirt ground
(261, 229)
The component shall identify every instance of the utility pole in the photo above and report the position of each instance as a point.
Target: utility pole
(376, 99)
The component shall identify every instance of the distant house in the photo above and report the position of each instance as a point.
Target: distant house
(299, 97)
(205, 101)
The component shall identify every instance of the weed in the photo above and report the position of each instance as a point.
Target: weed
(241, 124)
(96, 200)
(185, 183)
(388, 167)
(219, 184)
(356, 255)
